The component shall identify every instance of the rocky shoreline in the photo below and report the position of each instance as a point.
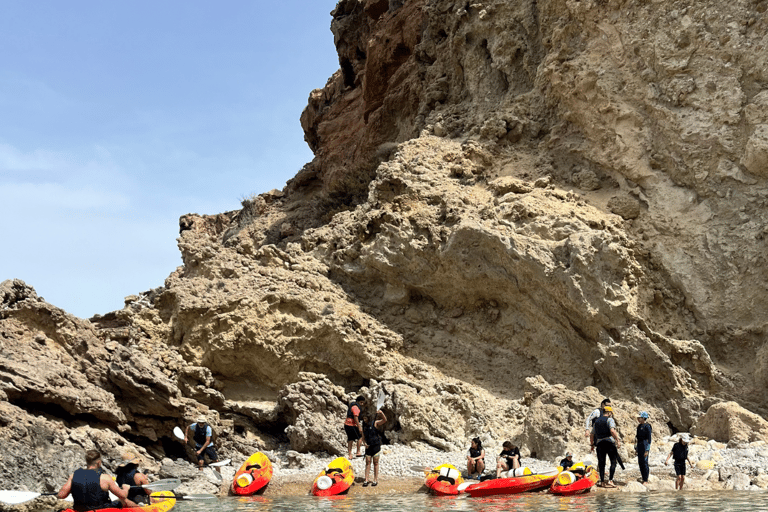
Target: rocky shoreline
(716, 468)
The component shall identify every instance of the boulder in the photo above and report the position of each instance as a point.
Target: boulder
(728, 422)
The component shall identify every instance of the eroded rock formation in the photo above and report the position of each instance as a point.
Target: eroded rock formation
(514, 209)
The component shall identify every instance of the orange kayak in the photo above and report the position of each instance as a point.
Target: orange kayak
(253, 476)
(444, 480)
(569, 483)
(336, 478)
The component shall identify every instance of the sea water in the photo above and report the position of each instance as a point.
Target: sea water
(685, 501)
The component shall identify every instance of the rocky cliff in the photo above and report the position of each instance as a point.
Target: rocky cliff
(514, 209)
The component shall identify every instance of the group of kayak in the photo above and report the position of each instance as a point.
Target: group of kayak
(446, 480)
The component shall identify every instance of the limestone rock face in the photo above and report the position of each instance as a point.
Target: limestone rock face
(730, 423)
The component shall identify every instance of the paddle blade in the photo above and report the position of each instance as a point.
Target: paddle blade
(16, 497)
(220, 463)
(380, 401)
(168, 484)
(196, 497)
(178, 433)
(424, 469)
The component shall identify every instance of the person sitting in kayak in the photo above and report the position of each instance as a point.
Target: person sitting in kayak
(509, 458)
(567, 462)
(129, 478)
(90, 486)
(371, 432)
(475, 458)
(202, 434)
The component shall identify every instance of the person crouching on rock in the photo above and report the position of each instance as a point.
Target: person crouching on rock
(90, 487)
(352, 426)
(130, 479)
(606, 440)
(202, 434)
(567, 462)
(509, 458)
(476, 459)
(371, 432)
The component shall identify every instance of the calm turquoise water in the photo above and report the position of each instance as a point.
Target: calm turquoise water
(615, 502)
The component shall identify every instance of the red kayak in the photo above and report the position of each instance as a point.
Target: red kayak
(569, 483)
(513, 485)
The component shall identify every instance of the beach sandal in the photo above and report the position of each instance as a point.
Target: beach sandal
(610, 484)
(374, 484)
(366, 484)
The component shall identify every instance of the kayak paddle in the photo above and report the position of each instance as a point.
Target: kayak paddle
(178, 433)
(421, 469)
(220, 463)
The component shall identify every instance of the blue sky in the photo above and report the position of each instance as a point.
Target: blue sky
(117, 117)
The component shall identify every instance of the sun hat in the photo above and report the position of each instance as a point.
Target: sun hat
(643, 414)
(201, 419)
(684, 438)
(130, 458)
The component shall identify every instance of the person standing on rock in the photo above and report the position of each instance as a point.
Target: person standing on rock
(129, 478)
(371, 432)
(202, 435)
(643, 445)
(606, 441)
(90, 487)
(353, 427)
(589, 424)
(680, 454)
(476, 459)
(509, 458)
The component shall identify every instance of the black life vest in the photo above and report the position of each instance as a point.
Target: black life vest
(200, 434)
(86, 490)
(127, 475)
(602, 430)
(350, 414)
(371, 433)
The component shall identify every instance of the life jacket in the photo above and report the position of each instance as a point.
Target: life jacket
(127, 475)
(200, 434)
(350, 414)
(371, 433)
(602, 430)
(86, 490)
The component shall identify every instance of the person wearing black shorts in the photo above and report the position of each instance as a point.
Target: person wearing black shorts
(353, 427)
(679, 454)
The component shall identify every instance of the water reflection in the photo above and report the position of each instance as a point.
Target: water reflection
(603, 502)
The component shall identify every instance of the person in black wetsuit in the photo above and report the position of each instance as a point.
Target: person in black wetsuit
(509, 458)
(371, 433)
(129, 478)
(567, 462)
(90, 487)
(643, 445)
(606, 441)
